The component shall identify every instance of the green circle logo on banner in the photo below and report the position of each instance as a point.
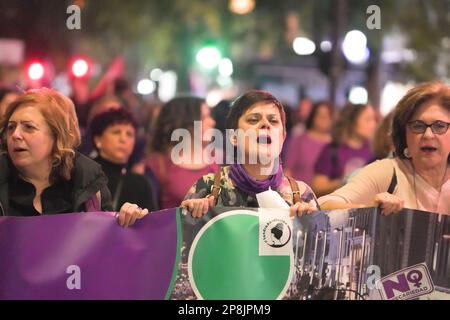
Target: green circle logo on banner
(224, 261)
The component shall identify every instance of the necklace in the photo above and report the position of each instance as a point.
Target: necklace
(440, 187)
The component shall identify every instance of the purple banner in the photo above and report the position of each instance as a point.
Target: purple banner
(88, 256)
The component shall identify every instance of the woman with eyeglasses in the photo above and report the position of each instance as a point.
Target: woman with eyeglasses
(418, 177)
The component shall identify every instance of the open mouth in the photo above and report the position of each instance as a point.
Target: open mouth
(264, 140)
(19, 149)
(428, 149)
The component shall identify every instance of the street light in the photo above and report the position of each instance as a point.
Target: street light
(167, 85)
(242, 6)
(303, 46)
(225, 67)
(146, 86)
(355, 48)
(208, 57)
(326, 46)
(358, 95)
(155, 74)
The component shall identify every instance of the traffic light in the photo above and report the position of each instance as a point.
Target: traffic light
(35, 71)
(80, 68)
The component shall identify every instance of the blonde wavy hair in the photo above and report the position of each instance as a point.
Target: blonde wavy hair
(59, 113)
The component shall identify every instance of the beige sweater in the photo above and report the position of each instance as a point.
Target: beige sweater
(376, 177)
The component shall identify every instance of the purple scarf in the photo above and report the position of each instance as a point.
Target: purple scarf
(250, 186)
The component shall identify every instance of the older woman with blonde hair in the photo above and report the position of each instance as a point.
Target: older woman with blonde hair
(418, 177)
(40, 171)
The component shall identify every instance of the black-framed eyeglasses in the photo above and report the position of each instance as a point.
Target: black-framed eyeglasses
(438, 127)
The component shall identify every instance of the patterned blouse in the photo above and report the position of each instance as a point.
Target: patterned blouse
(230, 196)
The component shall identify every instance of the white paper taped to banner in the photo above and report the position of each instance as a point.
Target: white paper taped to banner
(275, 225)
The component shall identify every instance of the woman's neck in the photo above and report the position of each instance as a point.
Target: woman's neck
(38, 179)
(108, 162)
(434, 176)
(355, 142)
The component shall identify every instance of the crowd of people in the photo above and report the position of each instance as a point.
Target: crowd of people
(112, 152)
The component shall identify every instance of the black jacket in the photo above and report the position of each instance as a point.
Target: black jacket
(87, 179)
(127, 186)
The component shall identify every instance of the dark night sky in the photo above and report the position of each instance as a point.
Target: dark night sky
(41, 24)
